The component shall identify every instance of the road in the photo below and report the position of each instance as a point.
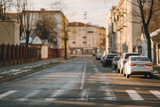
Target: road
(81, 82)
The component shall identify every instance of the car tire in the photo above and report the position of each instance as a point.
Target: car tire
(150, 76)
(103, 64)
(127, 75)
(145, 76)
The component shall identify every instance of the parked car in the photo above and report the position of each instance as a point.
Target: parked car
(108, 59)
(114, 62)
(138, 65)
(94, 54)
(122, 61)
(102, 58)
(98, 56)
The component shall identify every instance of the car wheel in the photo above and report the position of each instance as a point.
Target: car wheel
(103, 64)
(127, 75)
(150, 76)
(145, 76)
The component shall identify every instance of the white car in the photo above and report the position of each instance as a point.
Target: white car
(138, 65)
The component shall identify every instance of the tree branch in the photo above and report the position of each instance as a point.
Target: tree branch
(150, 13)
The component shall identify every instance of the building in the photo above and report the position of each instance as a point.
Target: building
(9, 32)
(84, 38)
(110, 35)
(60, 23)
(101, 39)
(127, 26)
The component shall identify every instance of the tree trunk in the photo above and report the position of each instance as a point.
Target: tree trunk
(65, 45)
(148, 43)
(27, 38)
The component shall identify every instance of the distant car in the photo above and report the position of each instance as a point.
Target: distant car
(94, 54)
(138, 65)
(122, 61)
(114, 62)
(98, 56)
(108, 59)
(102, 58)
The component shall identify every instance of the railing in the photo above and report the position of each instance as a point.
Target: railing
(11, 54)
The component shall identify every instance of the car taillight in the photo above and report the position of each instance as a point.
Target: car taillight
(132, 64)
(148, 64)
(107, 58)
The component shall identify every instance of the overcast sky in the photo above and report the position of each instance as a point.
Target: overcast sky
(74, 9)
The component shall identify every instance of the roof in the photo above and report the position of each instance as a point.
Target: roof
(79, 24)
(31, 38)
(156, 36)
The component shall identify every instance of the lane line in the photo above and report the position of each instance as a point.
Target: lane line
(83, 94)
(7, 93)
(134, 95)
(30, 95)
(156, 93)
(83, 77)
(110, 95)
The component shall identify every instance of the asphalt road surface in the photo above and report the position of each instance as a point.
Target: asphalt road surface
(81, 82)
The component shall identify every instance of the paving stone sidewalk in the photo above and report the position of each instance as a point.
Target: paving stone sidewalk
(156, 70)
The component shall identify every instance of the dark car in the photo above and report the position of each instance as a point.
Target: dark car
(108, 59)
(98, 56)
(114, 62)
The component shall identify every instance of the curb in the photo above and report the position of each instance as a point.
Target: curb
(25, 74)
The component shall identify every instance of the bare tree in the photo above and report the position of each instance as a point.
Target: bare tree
(59, 5)
(21, 7)
(5, 6)
(46, 28)
(145, 13)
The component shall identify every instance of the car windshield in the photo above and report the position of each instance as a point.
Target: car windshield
(140, 59)
(110, 56)
(127, 55)
(116, 58)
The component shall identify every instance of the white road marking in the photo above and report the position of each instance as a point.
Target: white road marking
(110, 95)
(83, 94)
(30, 95)
(83, 77)
(7, 93)
(134, 95)
(156, 93)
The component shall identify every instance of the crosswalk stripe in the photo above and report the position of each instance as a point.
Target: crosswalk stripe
(156, 93)
(134, 95)
(30, 95)
(7, 93)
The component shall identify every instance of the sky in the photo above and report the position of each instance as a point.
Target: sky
(96, 10)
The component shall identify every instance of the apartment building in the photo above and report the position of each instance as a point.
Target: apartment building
(84, 38)
(60, 23)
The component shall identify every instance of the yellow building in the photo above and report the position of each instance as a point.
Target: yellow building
(84, 38)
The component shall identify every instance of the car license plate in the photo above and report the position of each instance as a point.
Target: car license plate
(141, 65)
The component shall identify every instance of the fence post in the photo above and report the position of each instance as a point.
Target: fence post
(4, 54)
(17, 54)
(9, 53)
(13, 54)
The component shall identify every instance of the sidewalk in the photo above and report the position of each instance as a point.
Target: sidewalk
(156, 70)
(15, 71)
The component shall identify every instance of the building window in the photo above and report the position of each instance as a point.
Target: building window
(143, 1)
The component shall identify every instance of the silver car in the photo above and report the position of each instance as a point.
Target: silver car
(122, 61)
(138, 65)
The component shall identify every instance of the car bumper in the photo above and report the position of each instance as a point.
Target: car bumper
(140, 71)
